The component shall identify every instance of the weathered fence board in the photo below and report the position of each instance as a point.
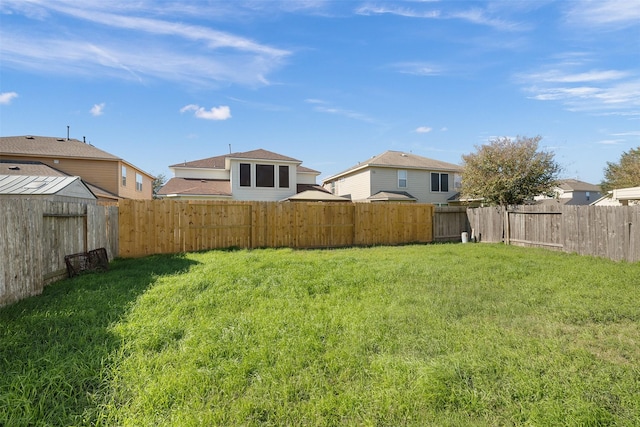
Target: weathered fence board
(604, 231)
(449, 222)
(36, 235)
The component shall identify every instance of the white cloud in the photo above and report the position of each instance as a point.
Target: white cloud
(97, 109)
(322, 106)
(423, 129)
(474, 15)
(604, 13)
(418, 68)
(7, 97)
(215, 113)
(611, 141)
(594, 90)
(166, 49)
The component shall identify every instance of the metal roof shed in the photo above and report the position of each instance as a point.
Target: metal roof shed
(54, 188)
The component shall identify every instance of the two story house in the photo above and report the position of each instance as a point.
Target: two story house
(571, 192)
(252, 175)
(109, 177)
(399, 177)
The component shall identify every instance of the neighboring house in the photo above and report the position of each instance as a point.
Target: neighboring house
(398, 177)
(54, 188)
(112, 174)
(252, 175)
(620, 197)
(571, 192)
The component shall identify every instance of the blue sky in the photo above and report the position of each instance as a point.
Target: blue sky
(330, 83)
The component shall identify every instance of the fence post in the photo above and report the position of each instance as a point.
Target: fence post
(506, 227)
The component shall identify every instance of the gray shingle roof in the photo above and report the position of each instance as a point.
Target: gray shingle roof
(575, 185)
(401, 160)
(217, 162)
(51, 147)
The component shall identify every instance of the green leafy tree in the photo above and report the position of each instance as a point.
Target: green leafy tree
(508, 172)
(624, 174)
(157, 183)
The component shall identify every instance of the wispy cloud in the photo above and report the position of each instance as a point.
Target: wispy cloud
(426, 10)
(417, 68)
(164, 49)
(596, 91)
(215, 113)
(325, 107)
(97, 109)
(613, 14)
(423, 129)
(396, 10)
(7, 97)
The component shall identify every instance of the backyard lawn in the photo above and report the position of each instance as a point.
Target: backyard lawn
(442, 335)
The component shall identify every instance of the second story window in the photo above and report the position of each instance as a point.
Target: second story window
(245, 175)
(440, 182)
(265, 176)
(124, 176)
(402, 179)
(138, 182)
(283, 176)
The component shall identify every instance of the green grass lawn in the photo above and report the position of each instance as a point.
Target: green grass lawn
(443, 335)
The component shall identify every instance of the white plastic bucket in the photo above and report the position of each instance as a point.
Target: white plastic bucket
(465, 237)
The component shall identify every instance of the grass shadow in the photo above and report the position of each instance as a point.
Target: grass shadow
(55, 348)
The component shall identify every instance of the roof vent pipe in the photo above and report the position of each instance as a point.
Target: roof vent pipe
(67, 133)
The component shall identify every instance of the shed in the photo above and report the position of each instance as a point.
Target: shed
(54, 188)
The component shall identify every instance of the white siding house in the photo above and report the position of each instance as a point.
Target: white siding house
(253, 175)
(397, 176)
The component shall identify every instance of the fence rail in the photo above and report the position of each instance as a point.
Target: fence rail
(168, 226)
(605, 231)
(35, 236)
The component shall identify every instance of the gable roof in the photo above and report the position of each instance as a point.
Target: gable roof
(51, 147)
(575, 185)
(218, 162)
(41, 185)
(400, 160)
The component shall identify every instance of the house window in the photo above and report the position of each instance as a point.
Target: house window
(333, 187)
(265, 176)
(124, 176)
(588, 194)
(245, 175)
(283, 175)
(402, 179)
(440, 182)
(138, 182)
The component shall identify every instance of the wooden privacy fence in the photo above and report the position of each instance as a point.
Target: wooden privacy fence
(35, 236)
(449, 222)
(605, 231)
(168, 226)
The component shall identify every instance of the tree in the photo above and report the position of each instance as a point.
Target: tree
(624, 174)
(507, 172)
(157, 183)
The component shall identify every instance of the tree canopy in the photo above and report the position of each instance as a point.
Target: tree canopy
(508, 172)
(624, 174)
(157, 183)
